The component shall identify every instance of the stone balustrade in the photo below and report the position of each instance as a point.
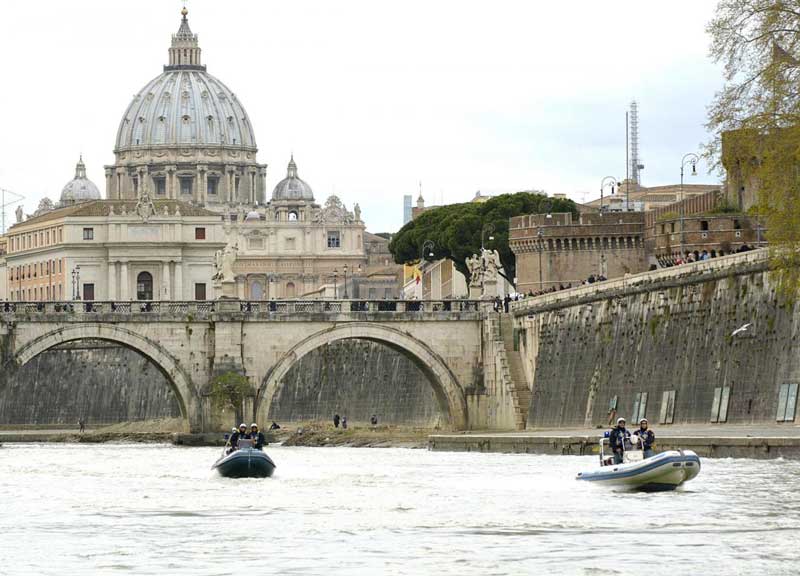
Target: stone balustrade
(689, 273)
(357, 309)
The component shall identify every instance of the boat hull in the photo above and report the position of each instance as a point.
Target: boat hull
(664, 471)
(247, 463)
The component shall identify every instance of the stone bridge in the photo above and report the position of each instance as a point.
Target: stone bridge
(191, 342)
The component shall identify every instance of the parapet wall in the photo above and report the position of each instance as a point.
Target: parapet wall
(668, 337)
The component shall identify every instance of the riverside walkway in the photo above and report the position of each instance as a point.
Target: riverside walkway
(711, 441)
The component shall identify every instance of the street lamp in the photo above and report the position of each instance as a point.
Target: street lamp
(486, 228)
(335, 284)
(604, 183)
(539, 235)
(76, 283)
(425, 252)
(345, 282)
(691, 159)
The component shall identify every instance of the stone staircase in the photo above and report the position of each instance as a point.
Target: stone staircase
(511, 366)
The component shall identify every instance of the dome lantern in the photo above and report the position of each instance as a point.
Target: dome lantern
(184, 54)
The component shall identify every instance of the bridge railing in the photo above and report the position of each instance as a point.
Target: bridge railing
(203, 308)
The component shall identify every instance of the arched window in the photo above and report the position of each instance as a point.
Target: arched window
(256, 291)
(144, 286)
(292, 216)
(290, 290)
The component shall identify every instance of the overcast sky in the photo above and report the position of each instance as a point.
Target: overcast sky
(373, 97)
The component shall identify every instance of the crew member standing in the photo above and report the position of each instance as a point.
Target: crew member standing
(646, 437)
(617, 438)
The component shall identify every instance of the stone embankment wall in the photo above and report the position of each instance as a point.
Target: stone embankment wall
(101, 382)
(356, 378)
(106, 383)
(668, 335)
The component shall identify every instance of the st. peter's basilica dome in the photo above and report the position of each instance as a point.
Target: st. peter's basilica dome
(292, 187)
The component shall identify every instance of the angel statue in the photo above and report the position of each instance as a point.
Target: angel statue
(475, 270)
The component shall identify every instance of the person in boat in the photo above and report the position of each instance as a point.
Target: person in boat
(258, 437)
(240, 433)
(617, 438)
(646, 437)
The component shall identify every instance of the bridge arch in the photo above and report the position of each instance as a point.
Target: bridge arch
(449, 393)
(181, 383)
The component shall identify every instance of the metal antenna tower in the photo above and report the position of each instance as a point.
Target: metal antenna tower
(635, 163)
(15, 198)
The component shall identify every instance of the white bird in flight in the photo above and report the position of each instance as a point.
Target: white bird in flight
(741, 329)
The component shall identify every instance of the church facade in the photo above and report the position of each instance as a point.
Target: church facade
(185, 146)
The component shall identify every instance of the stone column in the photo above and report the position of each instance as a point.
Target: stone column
(222, 186)
(178, 281)
(111, 293)
(123, 281)
(165, 291)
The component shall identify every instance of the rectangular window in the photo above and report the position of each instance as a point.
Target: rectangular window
(289, 243)
(737, 225)
(88, 233)
(639, 406)
(160, 185)
(199, 291)
(387, 293)
(704, 225)
(373, 293)
(672, 227)
(199, 233)
(719, 406)
(787, 402)
(136, 185)
(211, 185)
(186, 185)
(334, 241)
(88, 291)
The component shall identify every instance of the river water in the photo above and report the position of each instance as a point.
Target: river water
(152, 509)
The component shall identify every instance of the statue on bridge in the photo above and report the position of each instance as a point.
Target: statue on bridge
(223, 264)
(475, 271)
(491, 265)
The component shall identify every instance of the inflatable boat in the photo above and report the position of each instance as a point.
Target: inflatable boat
(663, 471)
(245, 462)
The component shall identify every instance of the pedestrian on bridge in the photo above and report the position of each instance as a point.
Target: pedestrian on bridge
(336, 420)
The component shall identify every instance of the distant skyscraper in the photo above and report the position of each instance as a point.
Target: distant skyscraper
(406, 208)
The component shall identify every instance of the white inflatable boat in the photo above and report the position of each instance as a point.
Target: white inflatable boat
(663, 471)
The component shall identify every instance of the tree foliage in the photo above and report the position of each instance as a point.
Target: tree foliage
(455, 229)
(228, 390)
(758, 111)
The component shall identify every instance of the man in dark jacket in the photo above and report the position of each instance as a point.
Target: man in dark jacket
(646, 437)
(258, 437)
(240, 433)
(617, 438)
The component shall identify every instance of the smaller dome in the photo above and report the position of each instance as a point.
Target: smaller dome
(292, 187)
(80, 188)
(252, 216)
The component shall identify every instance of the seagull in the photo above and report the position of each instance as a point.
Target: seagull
(741, 329)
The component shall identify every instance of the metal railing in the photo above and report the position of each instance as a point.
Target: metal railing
(204, 308)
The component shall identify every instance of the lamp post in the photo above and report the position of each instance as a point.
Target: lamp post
(539, 249)
(691, 159)
(345, 282)
(335, 284)
(425, 252)
(76, 283)
(604, 183)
